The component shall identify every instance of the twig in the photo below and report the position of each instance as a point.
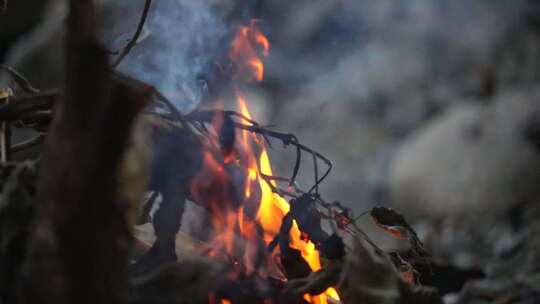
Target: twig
(287, 139)
(19, 79)
(22, 105)
(316, 174)
(37, 115)
(5, 136)
(28, 144)
(290, 139)
(136, 35)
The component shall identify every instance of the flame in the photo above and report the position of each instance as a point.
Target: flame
(248, 46)
(244, 53)
(273, 207)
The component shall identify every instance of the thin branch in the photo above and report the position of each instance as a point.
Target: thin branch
(316, 174)
(21, 81)
(289, 139)
(136, 35)
(28, 143)
(5, 138)
(23, 105)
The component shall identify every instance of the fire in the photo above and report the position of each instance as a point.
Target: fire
(244, 53)
(247, 48)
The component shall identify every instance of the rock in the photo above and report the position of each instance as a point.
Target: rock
(473, 159)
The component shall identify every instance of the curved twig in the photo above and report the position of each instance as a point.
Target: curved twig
(316, 174)
(28, 143)
(136, 35)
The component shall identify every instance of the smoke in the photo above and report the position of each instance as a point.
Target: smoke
(354, 79)
(351, 78)
(177, 48)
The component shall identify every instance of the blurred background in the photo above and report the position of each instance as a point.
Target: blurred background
(430, 107)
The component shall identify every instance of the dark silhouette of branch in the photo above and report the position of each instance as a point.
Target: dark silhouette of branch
(27, 144)
(21, 105)
(78, 249)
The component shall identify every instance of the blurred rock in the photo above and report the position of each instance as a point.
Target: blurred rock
(474, 159)
(354, 79)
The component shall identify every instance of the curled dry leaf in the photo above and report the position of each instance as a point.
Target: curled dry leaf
(393, 222)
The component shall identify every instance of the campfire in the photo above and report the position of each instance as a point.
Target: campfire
(246, 223)
(275, 242)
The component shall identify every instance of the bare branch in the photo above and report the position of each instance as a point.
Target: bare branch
(22, 105)
(136, 35)
(27, 144)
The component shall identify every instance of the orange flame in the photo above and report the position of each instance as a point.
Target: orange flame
(273, 207)
(247, 47)
(244, 53)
